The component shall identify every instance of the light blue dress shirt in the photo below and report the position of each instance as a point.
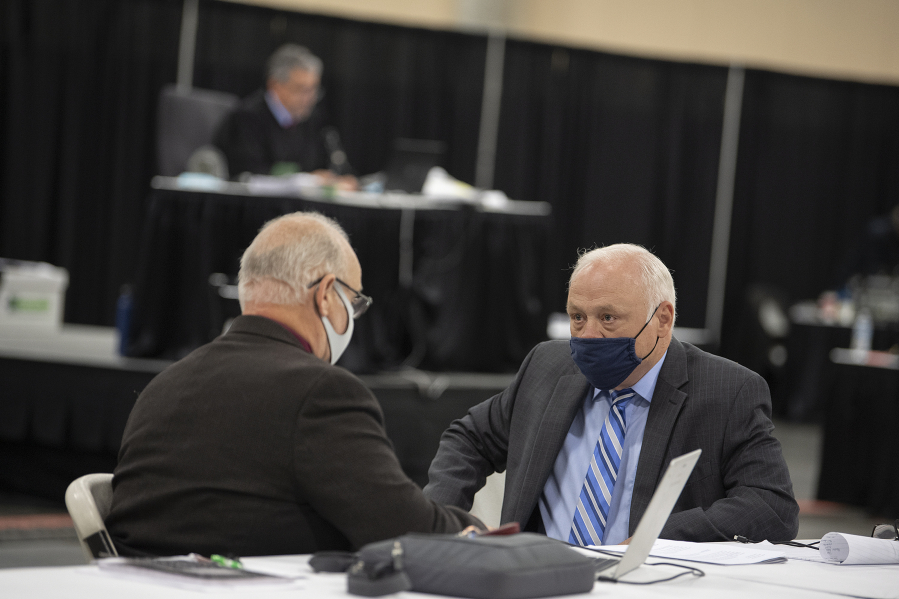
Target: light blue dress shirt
(560, 494)
(281, 114)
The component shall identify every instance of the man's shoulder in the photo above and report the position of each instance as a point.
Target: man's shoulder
(700, 362)
(275, 345)
(249, 115)
(261, 355)
(338, 377)
(278, 349)
(547, 362)
(550, 353)
(256, 343)
(253, 109)
(255, 102)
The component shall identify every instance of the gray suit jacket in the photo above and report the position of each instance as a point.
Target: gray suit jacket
(739, 486)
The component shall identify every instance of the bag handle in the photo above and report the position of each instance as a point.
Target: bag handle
(381, 578)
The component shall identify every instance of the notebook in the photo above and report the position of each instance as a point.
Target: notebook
(654, 518)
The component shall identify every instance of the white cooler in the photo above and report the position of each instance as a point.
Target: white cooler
(32, 295)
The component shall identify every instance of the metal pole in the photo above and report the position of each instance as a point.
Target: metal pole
(490, 109)
(724, 202)
(407, 228)
(187, 44)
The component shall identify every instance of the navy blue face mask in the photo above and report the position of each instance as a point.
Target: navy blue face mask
(607, 362)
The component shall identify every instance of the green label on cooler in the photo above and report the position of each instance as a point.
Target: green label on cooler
(19, 304)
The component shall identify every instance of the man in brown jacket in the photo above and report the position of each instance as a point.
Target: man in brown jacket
(256, 443)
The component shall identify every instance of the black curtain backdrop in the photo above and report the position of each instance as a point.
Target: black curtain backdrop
(625, 149)
(816, 160)
(78, 87)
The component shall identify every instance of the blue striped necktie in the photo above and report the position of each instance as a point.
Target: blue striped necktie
(592, 509)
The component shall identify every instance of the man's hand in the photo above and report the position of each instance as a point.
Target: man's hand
(471, 531)
(347, 183)
(341, 182)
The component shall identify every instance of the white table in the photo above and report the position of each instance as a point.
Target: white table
(793, 579)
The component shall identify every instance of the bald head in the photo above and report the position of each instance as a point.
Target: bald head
(639, 268)
(288, 254)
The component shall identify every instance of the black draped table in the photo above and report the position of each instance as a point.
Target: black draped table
(809, 377)
(457, 286)
(860, 448)
(856, 396)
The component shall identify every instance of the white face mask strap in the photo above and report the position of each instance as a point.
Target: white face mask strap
(338, 342)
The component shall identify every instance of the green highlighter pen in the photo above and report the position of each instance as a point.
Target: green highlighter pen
(225, 561)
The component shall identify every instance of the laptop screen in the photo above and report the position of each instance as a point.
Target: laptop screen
(656, 514)
(410, 162)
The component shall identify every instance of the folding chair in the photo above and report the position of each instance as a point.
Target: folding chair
(88, 500)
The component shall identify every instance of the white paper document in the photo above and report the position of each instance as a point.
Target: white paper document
(837, 547)
(711, 553)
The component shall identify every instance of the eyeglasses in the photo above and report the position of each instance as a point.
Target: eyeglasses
(360, 302)
(886, 531)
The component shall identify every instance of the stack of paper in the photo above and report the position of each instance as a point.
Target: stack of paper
(841, 548)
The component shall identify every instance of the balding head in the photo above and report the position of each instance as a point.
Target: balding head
(642, 269)
(288, 254)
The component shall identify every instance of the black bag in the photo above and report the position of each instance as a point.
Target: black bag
(486, 567)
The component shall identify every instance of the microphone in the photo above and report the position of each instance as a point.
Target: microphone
(337, 161)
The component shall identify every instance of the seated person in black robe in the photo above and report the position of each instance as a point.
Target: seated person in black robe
(281, 129)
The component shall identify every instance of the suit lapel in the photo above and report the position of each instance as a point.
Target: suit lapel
(667, 403)
(566, 400)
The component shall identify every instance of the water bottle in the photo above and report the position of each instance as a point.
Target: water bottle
(862, 330)
(123, 309)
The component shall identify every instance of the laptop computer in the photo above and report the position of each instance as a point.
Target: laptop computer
(410, 163)
(654, 518)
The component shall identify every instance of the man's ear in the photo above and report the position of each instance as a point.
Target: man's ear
(665, 313)
(323, 296)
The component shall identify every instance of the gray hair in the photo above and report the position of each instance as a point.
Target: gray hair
(657, 283)
(288, 254)
(289, 57)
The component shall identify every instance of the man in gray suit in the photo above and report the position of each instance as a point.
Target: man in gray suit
(553, 430)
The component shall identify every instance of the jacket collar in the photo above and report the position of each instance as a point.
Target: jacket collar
(264, 327)
(566, 400)
(667, 403)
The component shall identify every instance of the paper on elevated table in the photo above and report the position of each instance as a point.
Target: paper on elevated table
(713, 553)
(837, 547)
